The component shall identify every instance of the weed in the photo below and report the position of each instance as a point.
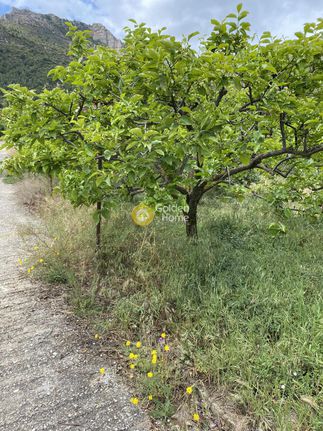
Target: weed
(243, 305)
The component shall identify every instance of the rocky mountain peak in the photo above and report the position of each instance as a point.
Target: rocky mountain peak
(103, 35)
(31, 44)
(24, 17)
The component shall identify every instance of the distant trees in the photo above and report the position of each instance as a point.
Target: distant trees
(160, 117)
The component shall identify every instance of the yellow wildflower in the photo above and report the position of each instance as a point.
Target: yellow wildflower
(138, 344)
(189, 390)
(154, 359)
(134, 401)
(128, 343)
(29, 270)
(20, 261)
(150, 397)
(163, 335)
(150, 374)
(166, 348)
(196, 417)
(132, 366)
(102, 371)
(131, 355)
(154, 352)
(41, 260)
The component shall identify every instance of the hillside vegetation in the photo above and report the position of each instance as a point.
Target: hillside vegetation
(31, 44)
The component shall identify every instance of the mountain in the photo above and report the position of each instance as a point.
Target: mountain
(31, 44)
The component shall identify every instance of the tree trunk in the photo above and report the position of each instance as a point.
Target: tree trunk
(99, 208)
(191, 216)
(98, 226)
(191, 224)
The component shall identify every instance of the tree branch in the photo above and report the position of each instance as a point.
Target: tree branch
(282, 118)
(221, 94)
(269, 86)
(74, 132)
(57, 110)
(295, 133)
(182, 190)
(183, 164)
(275, 170)
(81, 106)
(254, 162)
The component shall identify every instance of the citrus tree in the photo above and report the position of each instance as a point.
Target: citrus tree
(173, 122)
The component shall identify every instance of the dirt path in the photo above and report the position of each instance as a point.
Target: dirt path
(47, 381)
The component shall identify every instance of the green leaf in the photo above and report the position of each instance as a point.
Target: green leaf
(245, 25)
(160, 152)
(245, 158)
(243, 15)
(299, 34)
(277, 228)
(215, 22)
(99, 181)
(137, 131)
(131, 145)
(105, 212)
(269, 67)
(185, 120)
(96, 217)
(239, 7)
(190, 36)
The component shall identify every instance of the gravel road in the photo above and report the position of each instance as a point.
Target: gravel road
(48, 381)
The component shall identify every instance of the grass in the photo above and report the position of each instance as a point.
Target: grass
(10, 179)
(242, 305)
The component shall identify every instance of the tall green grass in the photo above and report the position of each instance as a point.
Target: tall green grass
(243, 305)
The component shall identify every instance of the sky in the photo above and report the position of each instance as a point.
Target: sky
(181, 17)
